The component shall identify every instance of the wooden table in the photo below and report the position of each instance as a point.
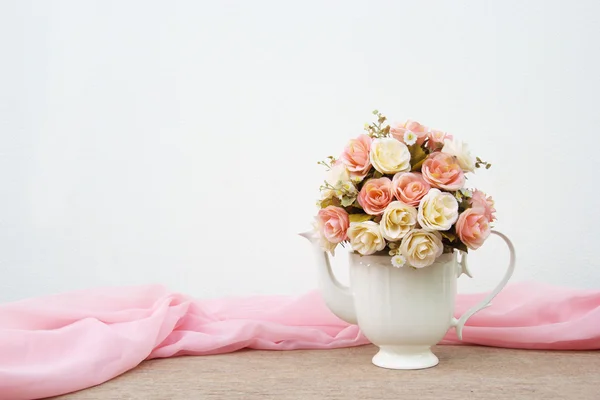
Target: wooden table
(464, 372)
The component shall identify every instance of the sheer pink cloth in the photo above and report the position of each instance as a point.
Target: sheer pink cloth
(59, 344)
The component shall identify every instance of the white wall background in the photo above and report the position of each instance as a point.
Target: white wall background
(176, 142)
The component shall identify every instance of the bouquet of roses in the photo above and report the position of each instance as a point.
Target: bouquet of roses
(401, 190)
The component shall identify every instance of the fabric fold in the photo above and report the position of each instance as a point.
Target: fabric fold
(59, 344)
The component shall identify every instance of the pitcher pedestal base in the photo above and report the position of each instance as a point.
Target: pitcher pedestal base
(405, 357)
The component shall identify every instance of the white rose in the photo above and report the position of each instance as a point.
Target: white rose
(337, 173)
(461, 151)
(324, 244)
(339, 178)
(365, 237)
(389, 156)
(421, 248)
(438, 210)
(397, 220)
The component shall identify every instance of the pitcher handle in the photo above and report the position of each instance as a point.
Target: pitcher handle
(459, 324)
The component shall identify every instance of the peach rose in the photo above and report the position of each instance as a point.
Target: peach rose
(481, 200)
(333, 223)
(436, 139)
(409, 187)
(419, 130)
(375, 195)
(442, 171)
(356, 156)
(473, 228)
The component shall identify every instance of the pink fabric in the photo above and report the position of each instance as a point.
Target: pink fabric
(59, 344)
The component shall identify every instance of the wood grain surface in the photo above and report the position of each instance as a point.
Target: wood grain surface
(464, 372)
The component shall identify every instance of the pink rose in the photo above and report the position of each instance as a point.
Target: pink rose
(356, 156)
(481, 200)
(333, 223)
(419, 130)
(409, 187)
(375, 195)
(436, 139)
(473, 228)
(442, 171)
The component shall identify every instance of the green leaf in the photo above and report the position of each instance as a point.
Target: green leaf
(377, 174)
(417, 166)
(448, 249)
(466, 193)
(332, 201)
(417, 156)
(360, 217)
(348, 201)
(460, 246)
(448, 235)
(464, 204)
(356, 205)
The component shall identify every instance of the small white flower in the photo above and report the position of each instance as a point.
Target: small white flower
(398, 261)
(410, 138)
(349, 188)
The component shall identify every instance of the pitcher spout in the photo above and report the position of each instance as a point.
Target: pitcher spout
(309, 236)
(337, 297)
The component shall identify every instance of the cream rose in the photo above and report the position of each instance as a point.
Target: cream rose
(316, 235)
(397, 220)
(438, 210)
(365, 237)
(389, 156)
(461, 151)
(421, 248)
(339, 178)
(326, 245)
(338, 173)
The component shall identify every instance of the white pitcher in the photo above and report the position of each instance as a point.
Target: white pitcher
(404, 311)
